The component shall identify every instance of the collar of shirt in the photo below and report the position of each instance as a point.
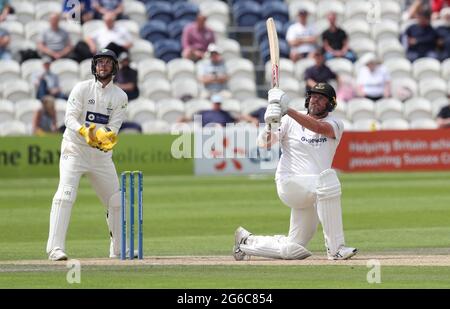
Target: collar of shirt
(98, 84)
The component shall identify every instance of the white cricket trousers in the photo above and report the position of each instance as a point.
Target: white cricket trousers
(98, 166)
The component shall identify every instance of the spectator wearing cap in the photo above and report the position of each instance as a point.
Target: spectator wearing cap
(102, 7)
(213, 73)
(373, 81)
(44, 120)
(5, 9)
(319, 72)
(112, 37)
(301, 37)
(196, 38)
(443, 117)
(421, 38)
(47, 82)
(54, 42)
(127, 78)
(335, 41)
(5, 39)
(443, 32)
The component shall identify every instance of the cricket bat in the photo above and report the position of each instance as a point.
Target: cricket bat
(274, 57)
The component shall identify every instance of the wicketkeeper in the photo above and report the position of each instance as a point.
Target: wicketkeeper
(305, 181)
(95, 111)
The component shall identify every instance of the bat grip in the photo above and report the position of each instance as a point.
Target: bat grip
(268, 137)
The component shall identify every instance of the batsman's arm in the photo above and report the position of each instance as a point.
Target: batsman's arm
(267, 137)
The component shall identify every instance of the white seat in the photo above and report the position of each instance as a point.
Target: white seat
(230, 48)
(432, 88)
(290, 86)
(155, 127)
(135, 10)
(45, 8)
(341, 110)
(423, 124)
(424, 68)
(156, 89)
(13, 128)
(15, 29)
(250, 105)
(356, 28)
(31, 67)
(24, 11)
(16, 90)
(398, 67)
(85, 69)
(34, 28)
(348, 126)
(395, 124)
(60, 108)
(9, 70)
(388, 109)
(390, 10)
(185, 87)
(445, 69)
(365, 125)
(240, 67)
(92, 26)
(322, 24)
(181, 68)
(356, 9)
(308, 5)
(232, 106)
(131, 26)
(286, 68)
(404, 88)
(26, 108)
(194, 106)
(66, 69)
(141, 110)
(242, 88)
(218, 27)
(141, 50)
(362, 46)
(151, 69)
(216, 10)
(387, 29)
(360, 108)
(417, 108)
(74, 30)
(390, 48)
(301, 66)
(438, 104)
(326, 6)
(170, 110)
(341, 66)
(6, 111)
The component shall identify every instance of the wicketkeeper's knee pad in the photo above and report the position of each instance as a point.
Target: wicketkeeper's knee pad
(293, 251)
(298, 191)
(328, 185)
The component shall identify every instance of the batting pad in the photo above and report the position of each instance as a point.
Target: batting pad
(60, 217)
(274, 247)
(329, 210)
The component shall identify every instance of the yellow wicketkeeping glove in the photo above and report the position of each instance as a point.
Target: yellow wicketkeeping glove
(106, 138)
(87, 131)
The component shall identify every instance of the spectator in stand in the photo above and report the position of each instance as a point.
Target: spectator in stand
(443, 117)
(103, 7)
(412, 8)
(54, 42)
(301, 37)
(5, 39)
(79, 11)
(421, 38)
(112, 37)
(443, 32)
(196, 38)
(373, 81)
(437, 6)
(44, 120)
(5, 9)
(319, 72)
(335, 41)
(256, 117)
(213, 73)
(47, 82)
(127, 78)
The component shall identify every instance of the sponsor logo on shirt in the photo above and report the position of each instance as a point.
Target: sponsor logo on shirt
(91, 101)
(314, 141)
(97, 118)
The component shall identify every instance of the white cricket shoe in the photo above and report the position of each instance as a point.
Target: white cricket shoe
(240, 237)
(343, 253)
(57, 254)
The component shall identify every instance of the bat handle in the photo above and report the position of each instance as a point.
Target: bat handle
(268, 137)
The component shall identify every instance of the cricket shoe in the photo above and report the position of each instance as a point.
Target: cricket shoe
(240, 237)
(343, 253)
(57, 254)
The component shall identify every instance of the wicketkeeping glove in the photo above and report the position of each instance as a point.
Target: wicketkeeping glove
(87, 131)
(278, 96)
(107, 139)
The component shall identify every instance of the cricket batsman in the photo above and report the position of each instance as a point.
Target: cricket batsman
(94, 114)
(304, 178)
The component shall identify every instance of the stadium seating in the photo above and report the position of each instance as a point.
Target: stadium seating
(277, 10)
(247, 13)
(160, 11)
(185, 88)
(16, 90)
(170, 110)
(154, 31)
(6, 111)
(135, 10)
(156, 89)
(360, 108)
(9, 70)
(417, 108)
(185, 10)
(167, 50)
(141, 110)
(141, 49)
(13, 128)
(25, 110)
(395, 124)
(388, 109)
(216, 10)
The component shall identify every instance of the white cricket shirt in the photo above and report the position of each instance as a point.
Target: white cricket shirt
(305, 152)
(90, 103)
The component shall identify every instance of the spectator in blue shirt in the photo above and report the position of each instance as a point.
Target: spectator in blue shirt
(421, 38)
(101, 7)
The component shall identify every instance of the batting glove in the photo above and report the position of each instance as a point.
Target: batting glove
(272, 114)
(87, 131)
(278, 96)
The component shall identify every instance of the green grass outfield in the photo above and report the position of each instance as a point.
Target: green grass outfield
(384, 213)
